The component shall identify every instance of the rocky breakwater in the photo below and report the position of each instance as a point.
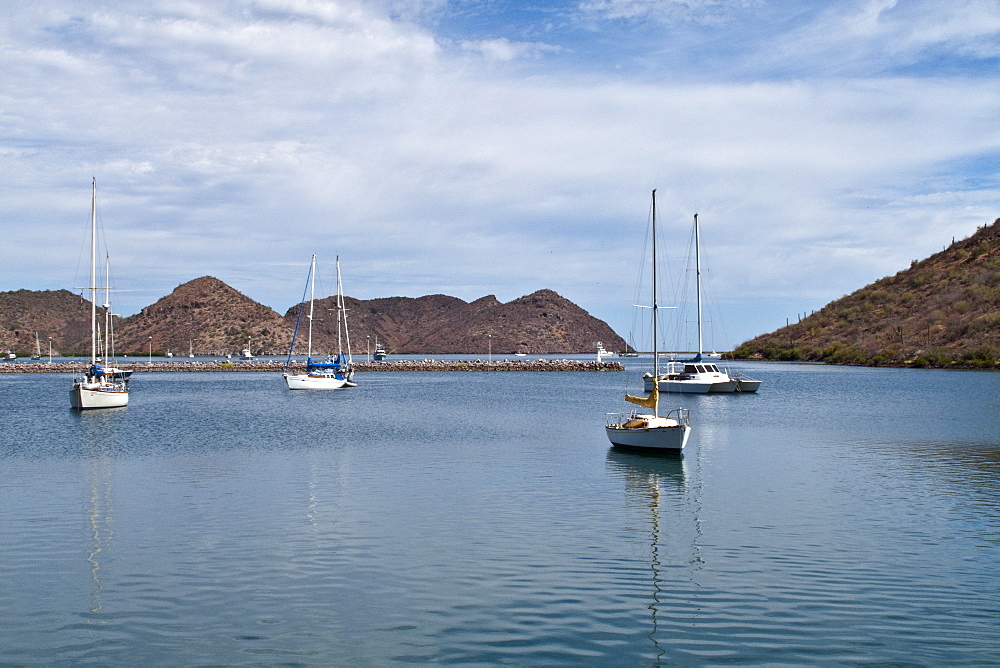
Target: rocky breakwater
(361, 367)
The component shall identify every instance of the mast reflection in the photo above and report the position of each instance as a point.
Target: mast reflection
(663, 487)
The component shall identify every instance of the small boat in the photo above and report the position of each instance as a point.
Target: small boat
(333, 374)
(10, 357)
(379, 354)
(695, 376)
(96, 389)
(650, 432)
(38, 349)
(601, 352)
(629, 349)
(246, 354)
(168, 354)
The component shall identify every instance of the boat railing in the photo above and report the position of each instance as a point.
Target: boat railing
(616, 419)
(681, 415)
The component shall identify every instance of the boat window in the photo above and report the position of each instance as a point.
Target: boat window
(690, 368)
(714, 368)
(701, 369)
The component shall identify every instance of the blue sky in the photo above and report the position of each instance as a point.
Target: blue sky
(475, 147)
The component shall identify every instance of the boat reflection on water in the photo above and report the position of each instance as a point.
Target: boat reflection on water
(662, 486)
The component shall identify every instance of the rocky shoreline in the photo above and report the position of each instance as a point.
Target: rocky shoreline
(275, 366)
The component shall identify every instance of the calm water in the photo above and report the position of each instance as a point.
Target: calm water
(840, 516)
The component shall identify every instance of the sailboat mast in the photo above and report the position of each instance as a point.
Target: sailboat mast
(697, 265)
(93, 273)
(312, 293)
(656, 353)
(342, 312)
(107, 306)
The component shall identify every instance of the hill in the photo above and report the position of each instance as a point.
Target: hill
(208, 316)
(941, 311)
(542, 322)
(59, 314)
(211, 318)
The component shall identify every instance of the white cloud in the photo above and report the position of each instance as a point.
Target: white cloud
(236, 139)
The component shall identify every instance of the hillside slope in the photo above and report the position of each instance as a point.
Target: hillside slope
(941, 311)
(59, 314)
(207, 315)
(542, 322)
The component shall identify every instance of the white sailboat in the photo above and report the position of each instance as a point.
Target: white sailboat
(96, 389)
(319, 376)
(343, 361)
(696, 376)
(650, 432)
(109, 327)
(38, 348)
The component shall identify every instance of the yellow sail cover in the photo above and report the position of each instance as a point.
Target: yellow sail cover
(651, 401)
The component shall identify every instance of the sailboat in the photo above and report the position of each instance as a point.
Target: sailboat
(698, 376)
(38, 348)
(650, 432)
(109, 327)
(96, 389)
(343, 359)
(331, 375)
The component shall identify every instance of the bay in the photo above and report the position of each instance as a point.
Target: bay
(838, 516)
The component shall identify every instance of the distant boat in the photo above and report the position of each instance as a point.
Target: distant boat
(38, 348)
(331, 375)
(379, 354)
(168, 354)
(10, 357)
(96, 389)
(629, 350)
(696, 376)
(601, 352)
(650, 432)
(520, 354)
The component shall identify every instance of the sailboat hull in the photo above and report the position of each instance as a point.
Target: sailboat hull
(86, 396)
(310, 382)
(681, 386)
(655, 439)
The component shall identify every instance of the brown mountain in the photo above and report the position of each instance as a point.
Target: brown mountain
(205, 315)
(212, 318)
(542, 322)
(59, 314)
(942, 311)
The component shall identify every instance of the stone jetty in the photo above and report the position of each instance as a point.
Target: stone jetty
(277, 366)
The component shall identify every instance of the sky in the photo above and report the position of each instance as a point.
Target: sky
(477, 147)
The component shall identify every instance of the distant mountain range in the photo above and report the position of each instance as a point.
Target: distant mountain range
(208, 317)
(941, 311)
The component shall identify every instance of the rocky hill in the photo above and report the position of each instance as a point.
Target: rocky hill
(211, 318)
(59, 314)
(941, 311)
(542, 322)
(207, 316)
